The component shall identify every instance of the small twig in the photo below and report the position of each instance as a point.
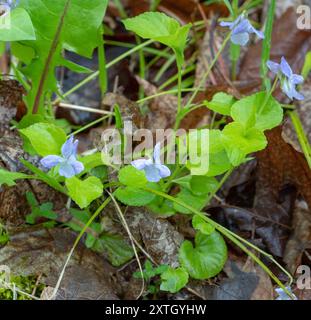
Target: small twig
(81, 108)
(36, 284)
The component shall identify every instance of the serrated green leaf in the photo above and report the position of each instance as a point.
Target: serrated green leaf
(221, 103)
(8, 177)
(256, 111)
(133, 196)
(239, 142)
(174, 280)
(83, 192)
(207, 258)
(18, 26)
(46, 138)
(132, 177)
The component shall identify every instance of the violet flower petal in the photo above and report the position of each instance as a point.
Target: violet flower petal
(66, 170)
(164, 171)
(297, 79)
(69, 148)
(140, 164)
(157, 153)
(51, 161)
(273, 66)
(240, 38)
(285, 68)
(77, 166)
(152, 173)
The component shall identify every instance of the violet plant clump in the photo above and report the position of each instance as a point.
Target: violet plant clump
(148, 182)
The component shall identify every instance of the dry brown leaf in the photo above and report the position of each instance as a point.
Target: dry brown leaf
(300, 239)
(34, 251)
(280, 165)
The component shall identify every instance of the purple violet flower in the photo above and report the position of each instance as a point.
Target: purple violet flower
(68, 164)
(241, 29)
(154, 170)
(282, 295)
(289, 80)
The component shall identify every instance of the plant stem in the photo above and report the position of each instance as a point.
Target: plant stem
(266, 46)
(142, 68)
(303, 140)
(89, 125)
(175, 77)
(47, 65)
(103, 76)
(268, 95)
(162, 93)
(154, 5)
(179, 106)
(220, 184)
(96, 73)
(156, 52)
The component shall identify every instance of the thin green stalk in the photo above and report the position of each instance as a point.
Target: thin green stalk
(142, 68)
(120, 8)
(163, 93)
(96, 73)
(156, 52)
(234, 238)
(235, 49)
(268, 95)
(266, 46)
(165, 66)
(154, 5)
(208, 70)
(179, 91)
(103, 76)
(175, 77)
(91, 124)
(303, 140)
(220, 184)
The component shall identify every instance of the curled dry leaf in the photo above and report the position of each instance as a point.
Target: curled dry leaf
(159, 237)
(239, 286)
(300, 240)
